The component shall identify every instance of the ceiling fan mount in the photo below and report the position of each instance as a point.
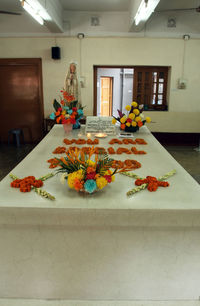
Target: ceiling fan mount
(9, 13)
(197, 9)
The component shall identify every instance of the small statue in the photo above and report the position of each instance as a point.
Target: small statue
(71, 82)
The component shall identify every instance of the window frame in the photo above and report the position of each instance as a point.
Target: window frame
(152, 107)
(151, 69)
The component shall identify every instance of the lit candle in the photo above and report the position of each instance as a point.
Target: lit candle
(100, 135)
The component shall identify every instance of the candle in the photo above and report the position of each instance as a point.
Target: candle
(101, 135)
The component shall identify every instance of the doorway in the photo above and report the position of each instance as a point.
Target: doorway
(106, 96)
(21, 98)
(113, 89)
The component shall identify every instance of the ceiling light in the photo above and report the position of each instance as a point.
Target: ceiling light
(39, 9)
(145, 10)
(34, 8)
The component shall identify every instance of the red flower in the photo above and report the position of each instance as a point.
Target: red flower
(91, 176)
(73, 121)
(129, 120)
(74, 109)
(64, 121)
(108, 178)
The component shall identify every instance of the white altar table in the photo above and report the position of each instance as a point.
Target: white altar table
(101, 246)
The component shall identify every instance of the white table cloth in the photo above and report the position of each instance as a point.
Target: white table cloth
(101, 246)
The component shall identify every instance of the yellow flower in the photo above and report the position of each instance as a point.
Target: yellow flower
(148, 119)
(101, 182)
(73, 176)
(134, 104)
(128, 108)
(114, 121)
(90, 163)
(128, 124)
(134, 123)
(123, 119)
(113, 178)
(131, 116)
(70, 181)
(138, 118)
(136, 111)
(63, 112)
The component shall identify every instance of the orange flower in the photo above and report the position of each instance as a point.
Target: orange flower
(90, 169)
(58, 119)
(123, 126)
(140, 123)
(67, 97)
(78, 184)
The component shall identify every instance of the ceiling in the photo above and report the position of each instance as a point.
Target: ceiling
(95, 5)
(24, 23)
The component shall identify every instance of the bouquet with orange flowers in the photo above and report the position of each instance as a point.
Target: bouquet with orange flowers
(67, 111)
(133, 120)
(84, 173)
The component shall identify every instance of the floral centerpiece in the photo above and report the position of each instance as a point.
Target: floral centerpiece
(133, 119)
(67, 111)
(84, 174)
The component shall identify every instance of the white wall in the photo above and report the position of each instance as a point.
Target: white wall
(184, 105)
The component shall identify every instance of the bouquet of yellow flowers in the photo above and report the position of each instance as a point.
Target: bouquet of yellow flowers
(84, 174)
(133, 120)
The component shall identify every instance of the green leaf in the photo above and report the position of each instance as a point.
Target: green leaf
(56, 105)
(73, 104)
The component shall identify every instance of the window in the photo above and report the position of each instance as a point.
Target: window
(150, 87)
(145, 84)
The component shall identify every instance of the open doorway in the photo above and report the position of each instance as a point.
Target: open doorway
(106, 96)
(114, 89)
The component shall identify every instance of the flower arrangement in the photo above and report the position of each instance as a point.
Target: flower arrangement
(133, 120)
(150, 182)
(29, 183)
(84, 174)
(67, 111)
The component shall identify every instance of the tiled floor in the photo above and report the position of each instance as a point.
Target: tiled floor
(10, 156)
(187, 156)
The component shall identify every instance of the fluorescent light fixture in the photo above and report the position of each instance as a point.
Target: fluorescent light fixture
(34, 8)
(30, 10)
(39, 9)
(145, 10)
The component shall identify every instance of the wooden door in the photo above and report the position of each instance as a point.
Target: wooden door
(21, 99)
(106, 96)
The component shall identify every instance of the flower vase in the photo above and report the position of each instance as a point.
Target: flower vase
(67, 127)
(131, 129)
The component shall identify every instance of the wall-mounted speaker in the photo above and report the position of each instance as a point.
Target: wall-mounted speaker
(55, 52)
